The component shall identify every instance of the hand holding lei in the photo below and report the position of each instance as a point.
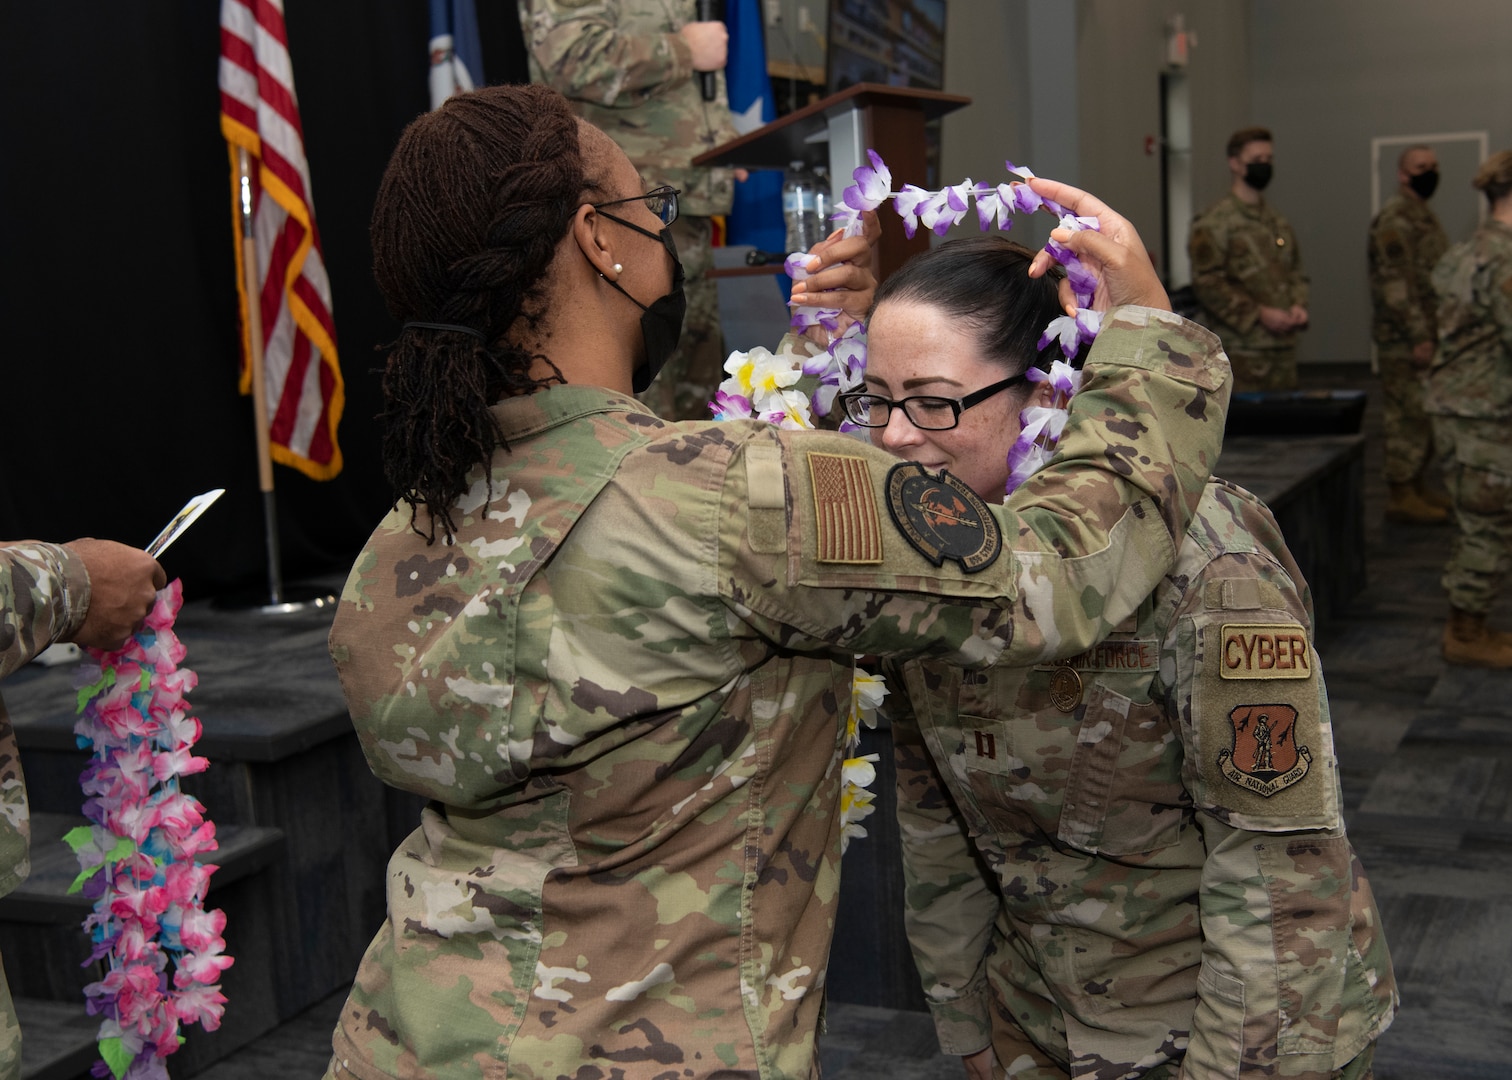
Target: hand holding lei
(164, 951)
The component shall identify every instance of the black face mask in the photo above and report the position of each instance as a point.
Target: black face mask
(661, 323)
(1424, 184)
(1257, 174)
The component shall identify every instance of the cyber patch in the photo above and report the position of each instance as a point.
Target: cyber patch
(1264, 756)
(848, 528)
(1264, 651)
(942, 518)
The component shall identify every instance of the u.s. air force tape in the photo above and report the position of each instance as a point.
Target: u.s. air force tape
(942, 517)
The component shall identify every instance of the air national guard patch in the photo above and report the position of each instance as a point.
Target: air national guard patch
(1264, 757)
(942, 517)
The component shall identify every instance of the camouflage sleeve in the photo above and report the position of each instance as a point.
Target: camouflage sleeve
(1300, 283)
(1088, 537)
(44, 595)
(1501, 298)
(1218, 291)
(949, 904)
(1280, 989)
(1399, 314)
(585, 53)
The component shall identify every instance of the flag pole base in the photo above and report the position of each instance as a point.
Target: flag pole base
(293, 600)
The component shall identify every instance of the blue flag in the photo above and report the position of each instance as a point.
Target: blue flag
(756, 217)
(456, 51)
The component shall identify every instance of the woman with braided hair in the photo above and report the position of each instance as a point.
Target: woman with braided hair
(615, 652)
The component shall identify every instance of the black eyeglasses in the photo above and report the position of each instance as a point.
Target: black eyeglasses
(660, 201)
(927, 413)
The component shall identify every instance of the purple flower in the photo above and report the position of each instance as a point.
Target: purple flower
(805, 317)
(943, 209)
(908, 203)
(872, 186)
(849, 351)
(849, 219)
(994, 204)
(1024, 199)
(1064, 379)
(1072, 331)
(726, 406)
(1083, 281)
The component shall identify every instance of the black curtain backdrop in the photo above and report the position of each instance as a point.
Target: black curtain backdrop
(118, 310)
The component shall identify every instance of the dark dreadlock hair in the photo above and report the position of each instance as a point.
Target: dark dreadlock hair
(472, 206)
(984, 282)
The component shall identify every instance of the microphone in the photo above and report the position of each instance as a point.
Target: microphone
(706, 13)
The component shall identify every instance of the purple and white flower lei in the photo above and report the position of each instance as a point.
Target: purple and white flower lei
(164, 951)
(760, 382)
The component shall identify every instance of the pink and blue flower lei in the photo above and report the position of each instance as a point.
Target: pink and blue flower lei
(761, 383)
(164, 951)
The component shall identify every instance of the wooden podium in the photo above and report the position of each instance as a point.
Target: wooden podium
(837, 132)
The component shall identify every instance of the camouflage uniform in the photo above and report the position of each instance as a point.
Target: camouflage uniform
(1406, 240)
(1139, 852)
(626, 70)
(622, 688)
(44, 595)
(1470, 399)
(1244, 257)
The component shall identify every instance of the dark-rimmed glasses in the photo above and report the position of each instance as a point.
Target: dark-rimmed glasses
(661, 201)
(927, 412)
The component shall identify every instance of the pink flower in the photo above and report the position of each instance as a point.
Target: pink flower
(145, 905)
(165, 610)
(199, 1004)
(138, 992)
(201, 966)
(134, 767)
(131, 819)
(200, 929)
(179, 762)
(184, 882)
(179, 729)
(165, 653)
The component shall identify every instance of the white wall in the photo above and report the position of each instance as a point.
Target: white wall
(1120, 51)
(1331, 74)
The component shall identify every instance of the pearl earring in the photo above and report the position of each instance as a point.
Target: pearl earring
(619, 268)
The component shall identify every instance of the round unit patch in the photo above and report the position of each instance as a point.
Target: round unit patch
(942, 517)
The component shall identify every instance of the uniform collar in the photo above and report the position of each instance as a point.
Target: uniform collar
(531, 414)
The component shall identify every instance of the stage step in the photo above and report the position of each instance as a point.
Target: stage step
(57, 1039)
(44, 897)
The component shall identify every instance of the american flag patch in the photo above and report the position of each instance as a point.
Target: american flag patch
(845, 510)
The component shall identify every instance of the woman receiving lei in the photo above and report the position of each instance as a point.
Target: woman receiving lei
(1130, 862)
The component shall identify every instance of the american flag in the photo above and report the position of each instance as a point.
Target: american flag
(259, 113)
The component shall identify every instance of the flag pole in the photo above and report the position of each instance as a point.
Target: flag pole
(259, 389)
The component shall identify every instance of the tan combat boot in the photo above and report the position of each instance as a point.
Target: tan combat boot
(1468, 642)
(1407, 507)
